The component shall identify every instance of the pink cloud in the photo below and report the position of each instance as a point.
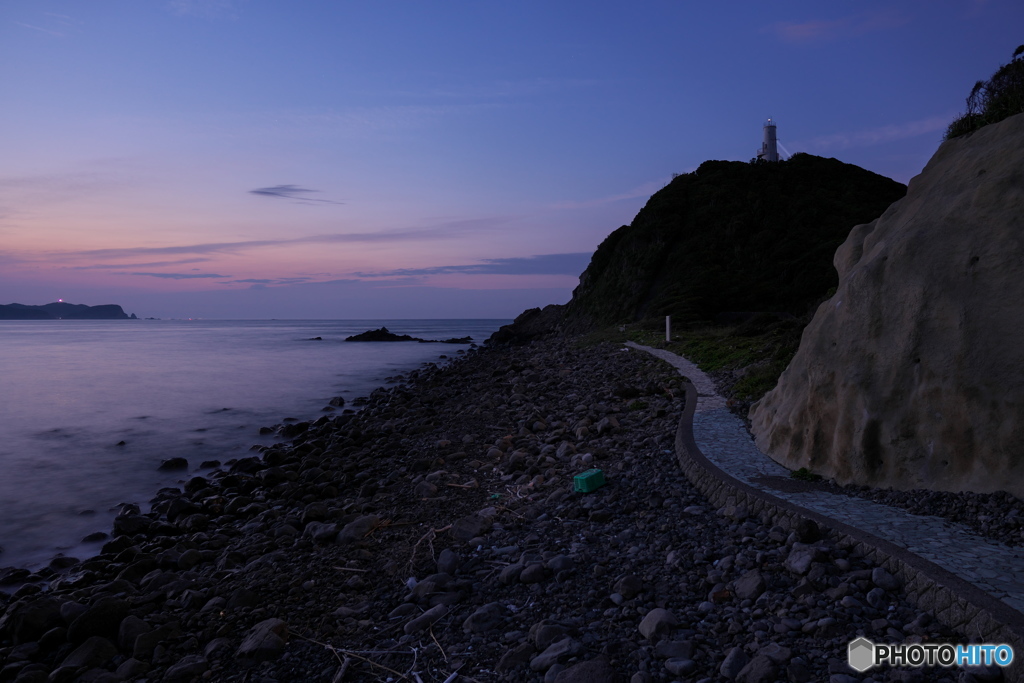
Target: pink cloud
(822, 29)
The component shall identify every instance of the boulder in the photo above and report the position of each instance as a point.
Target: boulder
(265, 641)
(912, 374)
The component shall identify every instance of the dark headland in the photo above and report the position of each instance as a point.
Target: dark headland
(59, 310)
(435, 534)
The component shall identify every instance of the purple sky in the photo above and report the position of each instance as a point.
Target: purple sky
(258, 159)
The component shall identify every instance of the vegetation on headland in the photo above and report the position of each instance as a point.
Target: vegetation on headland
(991, 101)
(746, 359)
(731, 236)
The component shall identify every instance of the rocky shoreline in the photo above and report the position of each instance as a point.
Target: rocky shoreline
(435, 536)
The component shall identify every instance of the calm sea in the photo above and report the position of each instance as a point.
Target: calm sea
(70, 391)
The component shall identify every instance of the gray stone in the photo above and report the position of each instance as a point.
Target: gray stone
(734, 663)
(321, 532)
(27, 621)
(657, 622)
(103, 618)
(487, 618)
(876, 597)
(469, 527)
(597, 670)
(426, 619)
(264, 641)
(563, 649)
(750, 585)
(146, 642)
(187, 668)
(674, 649)
(518, 656)
(800, 558)
(448, 562)
(678, 666)
(358, 529)
(131, 628)
(533, 573)
(760, 669)
(95, 651)
(629, 586)
(884, 579)
(131, 668)
(775, 652)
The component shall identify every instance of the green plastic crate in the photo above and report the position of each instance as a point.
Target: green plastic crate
(591, 480)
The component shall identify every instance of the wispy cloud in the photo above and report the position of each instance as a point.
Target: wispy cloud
(56, 34)
(263, 282)
(442, 231)
(543, 264)
(874, 136)
(207, 9)
(151, 264)
(293, 192)
(829, 29)
(180, 276)
(645, 190)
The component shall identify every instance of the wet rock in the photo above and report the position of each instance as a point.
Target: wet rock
(103, 618)
(131, 628)
(27, 621)
(173, 464)
(95, 651)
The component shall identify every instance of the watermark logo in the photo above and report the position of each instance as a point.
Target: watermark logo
(862, 654)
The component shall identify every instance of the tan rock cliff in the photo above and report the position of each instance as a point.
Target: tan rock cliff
(912, 375)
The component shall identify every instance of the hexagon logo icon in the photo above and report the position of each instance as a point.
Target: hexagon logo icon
(860, 654)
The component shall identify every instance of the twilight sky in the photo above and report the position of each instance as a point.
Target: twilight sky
(327, 159)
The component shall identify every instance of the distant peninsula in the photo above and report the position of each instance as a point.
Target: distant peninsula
(60, 310)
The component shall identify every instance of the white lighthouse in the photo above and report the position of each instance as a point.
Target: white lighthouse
(770, 148)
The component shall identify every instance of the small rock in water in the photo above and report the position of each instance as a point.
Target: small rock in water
(172, 464)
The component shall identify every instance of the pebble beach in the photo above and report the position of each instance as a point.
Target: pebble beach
(435, 535)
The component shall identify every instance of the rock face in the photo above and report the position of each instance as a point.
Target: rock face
(912, 375)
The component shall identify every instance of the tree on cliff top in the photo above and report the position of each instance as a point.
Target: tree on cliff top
(993, 100)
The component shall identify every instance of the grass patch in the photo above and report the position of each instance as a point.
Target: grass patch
(804, 474)
(760, 349)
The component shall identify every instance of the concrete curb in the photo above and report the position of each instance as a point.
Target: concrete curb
(952, 600)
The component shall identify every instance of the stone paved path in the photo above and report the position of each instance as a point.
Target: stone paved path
(723, 438)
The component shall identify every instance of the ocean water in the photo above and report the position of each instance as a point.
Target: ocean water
(70, 391)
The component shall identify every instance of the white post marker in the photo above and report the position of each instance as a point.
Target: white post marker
(668, 328)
